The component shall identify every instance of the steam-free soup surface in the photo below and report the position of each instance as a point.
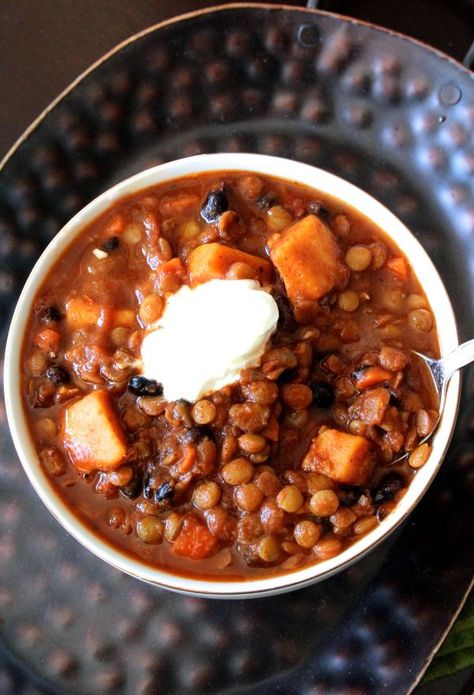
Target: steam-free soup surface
(288, 465)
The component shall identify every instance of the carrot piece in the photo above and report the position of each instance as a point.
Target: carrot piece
(115, 226)
(371, 376)
(188, 459)
(343, 457)
(307, 257)
(212, 261)
(398, 266)
(93, 435)
(195, 540)
(47, 340)
(272, 430)
(177, 205)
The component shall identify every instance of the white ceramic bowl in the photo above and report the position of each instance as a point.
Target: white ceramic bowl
(294, 172)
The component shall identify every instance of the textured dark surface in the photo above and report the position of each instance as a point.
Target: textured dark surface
(379, 110)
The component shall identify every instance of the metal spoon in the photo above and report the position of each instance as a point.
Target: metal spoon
(441, 372)
(443, 369)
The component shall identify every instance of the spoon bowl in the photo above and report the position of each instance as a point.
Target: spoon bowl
(443, 369)
(441, 372)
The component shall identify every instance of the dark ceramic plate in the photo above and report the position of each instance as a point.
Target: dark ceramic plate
(391, 115)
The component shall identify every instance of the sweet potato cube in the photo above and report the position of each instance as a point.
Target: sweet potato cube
(83, 312)
(307, 257)
(212, 261)
(93, 435)
(195, 540)
(341, 456)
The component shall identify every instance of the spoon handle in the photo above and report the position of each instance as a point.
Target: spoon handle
(462, 355)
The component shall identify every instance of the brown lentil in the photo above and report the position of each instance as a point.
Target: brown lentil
(358, 258)
(248, 497)
(348, 300)
(207, 495)
(327, 547)
(278, 218)
(46, 429)
(264, 392)
(173, 524)
(204, 412)
(115, 517)
(343, 518)
(365, 525)
(419, 456)
(250, 186)
(307, 533)
(252, 443)
(249, 417)
(237, 472)
(272, 517)
(37, 363)
(121, 476)
(268, 483)
(240, 271)
(324, 503)
(151, 309)
(290, 498)
(149, 529)
(317, 481)
(296, 396)
(268, 549)
(421, 320)
(53, 460)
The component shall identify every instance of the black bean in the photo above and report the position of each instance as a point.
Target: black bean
(111, 244)
(349, 495)
(50, 314)
(164, 492)
(323, 394)
(215, 204)
(286, 376)
(148, 488)
(359, 372)
(316, 207)
(286, 319)
(134, 487)
(394, 399)
(388, 487)
(141, 386)
(194, 434)
(57, 374)
(266, 201)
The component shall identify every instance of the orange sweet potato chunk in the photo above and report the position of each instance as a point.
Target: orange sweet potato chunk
(212, 261)
(93, 435)
(83, 312)
(307, 257)
(343, 457)
(195, 541)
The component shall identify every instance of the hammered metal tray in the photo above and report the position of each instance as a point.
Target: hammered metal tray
(391, 115)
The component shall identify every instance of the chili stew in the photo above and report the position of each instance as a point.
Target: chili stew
(285, 467)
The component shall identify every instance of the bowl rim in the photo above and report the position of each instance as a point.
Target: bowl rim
(293, 172)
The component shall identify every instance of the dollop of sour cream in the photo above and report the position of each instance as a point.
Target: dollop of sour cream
(206, 335)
